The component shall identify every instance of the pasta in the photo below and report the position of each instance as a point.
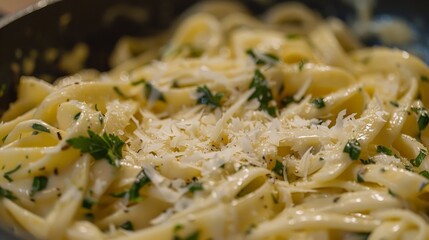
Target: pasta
(230, 127)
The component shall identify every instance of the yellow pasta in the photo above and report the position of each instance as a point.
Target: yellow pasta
(232, 127)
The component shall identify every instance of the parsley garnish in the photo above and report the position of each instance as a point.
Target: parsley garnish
(385, 150)
(206, 97)
(127, 226)
(278, 168)
(118, 195)
(88, 203)
(118, 91)
(4, 138)
(195, 186)
(292, 36)
(7, 194)
(40, 128)
(301, 65)
(424, 78)
(3, 87)
(77, 116)
(318, 103)
(288, 100)
(368, 161)
(39, 184)
(107, 146)
(419, 159)
(359, 178)
(353, 148)
(423, 120)
(153, 94)
(425, 174)
(6, 174)
(138, 82)
(261, 59)
(134, 192)
(394, 103)
(262, 93)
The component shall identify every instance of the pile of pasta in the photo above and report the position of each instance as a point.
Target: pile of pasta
(227, 127)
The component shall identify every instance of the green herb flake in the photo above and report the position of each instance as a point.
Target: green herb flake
(288, 100)
(359, 178)
(391, 193)
(301, 65)
(384, 150)
(262, 59)
(368, 161)
(423, 119)
(293, 36)
(207, 98)
(177, 228)
(419, 159)
(262, 93)
(353, 148)
(4, 138)
(394, 103)
(425, 174)
(127, 226)
(88, 203)
(39, 184)
(424, 78)
(193, 236)
(7, 174)
(107, 146)
(40, 128)
(195, 186)
(77, 116)
(3, 88)
(318, 103)
(138, 82)
(118, 91)
(175, 84)
(278, 168)
(153, 94)
(7, 194)
(140, 181)
(275, 198)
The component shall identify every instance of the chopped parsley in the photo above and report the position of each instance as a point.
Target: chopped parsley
(262, 93)
(7, 174)
(423, 119)
(205, 96)
(153, 94)
(419, 159)
(40, 128)
(140, 181)
(118, 195)
(424, 78)
(127, 226)
(138, 82)
(118, 91)
(292, 36)
(7, 194)
(4, 138)
(278, 168)
(262, 59)
(353, 148)
(359, 178)
(288, 100)
(318, 103)
(3, 87)
(301, 65)
(195, 186)
(384, 150)
(107, 146)
(425, 174)
(39, 184)
(368, 161)
(394, 103)
(77, 116)
(88, 203)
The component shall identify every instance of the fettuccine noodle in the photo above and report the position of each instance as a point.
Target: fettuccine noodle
(229, 127)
